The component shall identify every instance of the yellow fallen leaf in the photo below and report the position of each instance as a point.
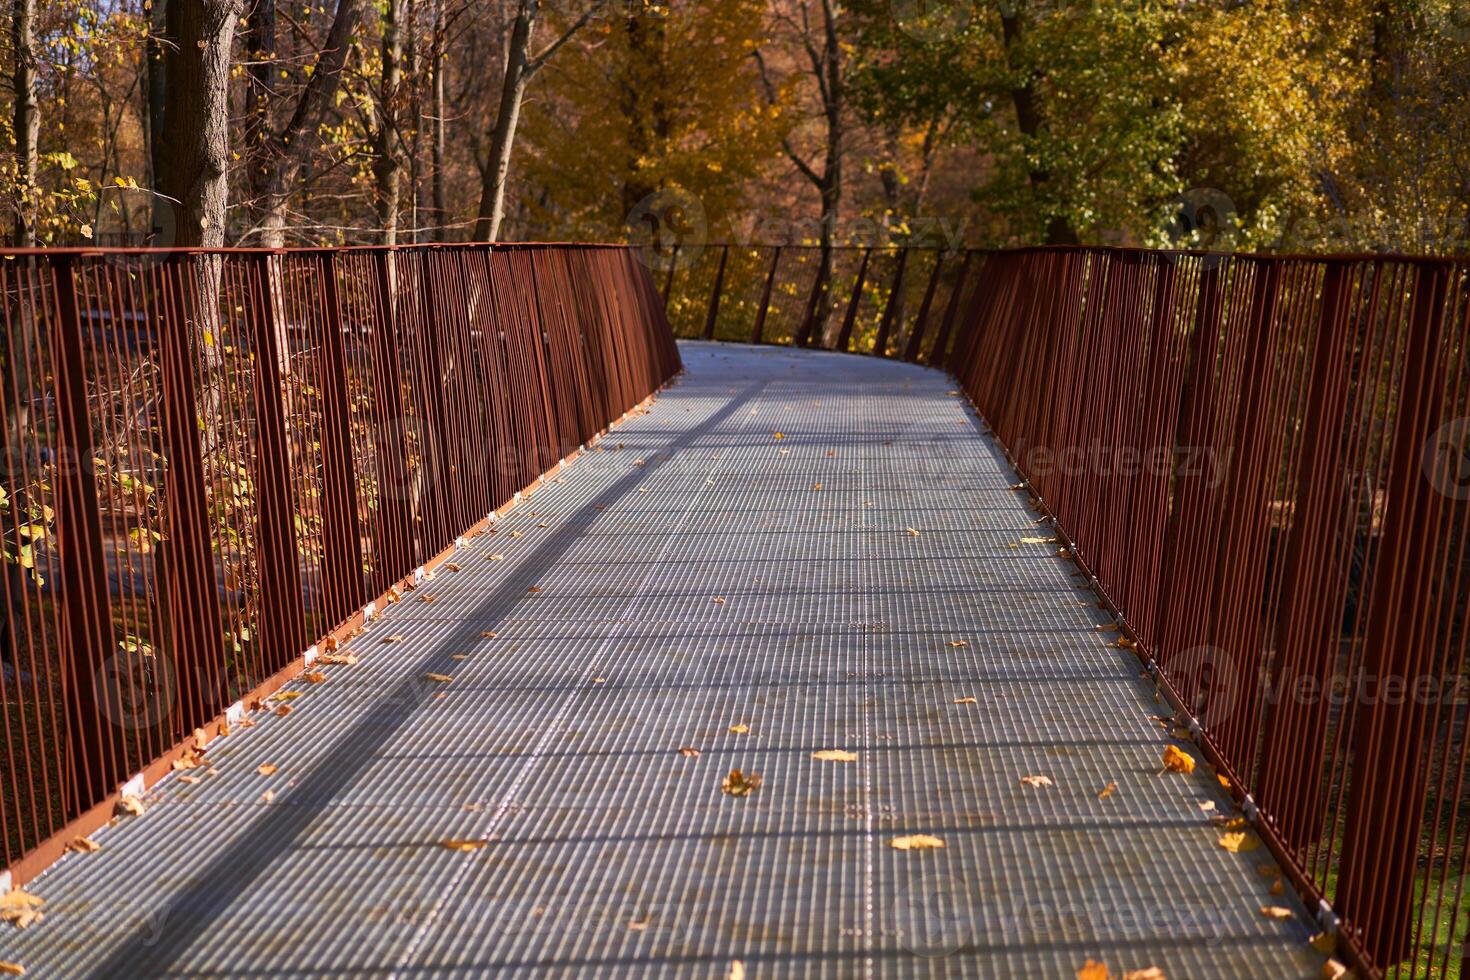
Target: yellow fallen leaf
(1036, 781)
(286, 695)
(1107, 791)
(1323, 942)
(441, 678)
(778, 435)
(457, 844)
(452, 566)
(83, 845)
(1275, 912)
(10, 969)
(957, 644)
(719, 600)
(266, 770)
(915, 842)
(835, 755)
(736, 971)
(740, 783)
(1239, 842)
(1147, 973)
(1178, 761)
(912, 532)
(1038, 540)
(517, 534)
(20, 909)
(965, 701)
(1092, 970)
(739, 729)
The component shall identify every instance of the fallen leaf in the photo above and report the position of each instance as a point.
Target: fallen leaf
(1036, 781)
(10, 969)
(459, 656)
(739, 729)
(517, 534)
(639, 926)
(20, 909)
(456, 844)
(452, 566)
(816, 486)
(266, 770)
(835, 755)
(1093, 971)
(1323, 942)
(188, 780)
(1278, 887)
(1333, 970)
(314, 677)
(719, 600)
(1176, 760)
(441, 678)
(1207, 805)
(343, 659)
(283, 710)
(496, 558)
(83, 845)
(426, 597)
(1147, 973)
(267, 796)
(689, 752)
(1223, 781)
(488, 634)
(395, 638)
(1107, 791)
(912, 532)
(1275, 912)
(915, 842)
(957, 644)
(1038, 540)
(965, 701)
(778, 435)
(286, 695)
(1239, 841)
(736, 971)
(740, 784)
(533, 589)
(130, 805)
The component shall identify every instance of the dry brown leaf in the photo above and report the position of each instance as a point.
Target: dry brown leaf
(689, 752)
(965, 701)
(343, 659)
(1107, 791)
(441, 678)
(10, 969)
(188, 780)
(915, 842)
(835, 755)
(517, 534)
(912, 532)
(283, 710)
(452, 566)
(83, 845)
(719, 600)
(131, 806)
(957, 644)
(314, 677)
(1323, 942)
(1176, 760)
(20, 909)
(1036, 781)
(1333, 970)
(739, 728)
(266, 769)
(488, 634)
(1275, 912)
(395, 638)
(1093, 971)
(1238, 841)
(456, 844)
(533, 589)
(740, 783)
(1147, 973)
(459, 656)
(426, 597)
(496, 558)
(1278, 887)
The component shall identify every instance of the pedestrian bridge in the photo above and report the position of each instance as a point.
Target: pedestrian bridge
(791, 672)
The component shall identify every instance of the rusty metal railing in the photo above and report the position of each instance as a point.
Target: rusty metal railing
(216, 463)
(1263, 464)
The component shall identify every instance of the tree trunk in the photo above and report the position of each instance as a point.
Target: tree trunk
(388, 165)
(1027, 102)
(196, 140)
(27, 119)
(436, 132)
(502, 137)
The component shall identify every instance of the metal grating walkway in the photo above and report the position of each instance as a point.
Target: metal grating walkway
(700, 573)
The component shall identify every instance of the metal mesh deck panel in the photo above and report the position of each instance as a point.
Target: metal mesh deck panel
(610, 853)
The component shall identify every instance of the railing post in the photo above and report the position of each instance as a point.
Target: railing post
(283, 627)
(1376, 889)
(809, 317)
(895, 295)
(937, 356)
(341, 541)
(669, 279)
(86, 637)
(393, 530)
(758, 333)
(916, 336)
(844, 339)
(191, 594)
(714, 300)
(1313, 588)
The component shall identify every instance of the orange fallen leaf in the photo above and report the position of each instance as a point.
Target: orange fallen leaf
(835, 755)
(740, 783)
(739, 729)
(83, 845)
(10, 969)
(1276, 912)
(915, 842)
(453, 566)
(488, 634)
(266, 769)
(1147, 973)
(1092, 970)
(1107, 791)
(957, 644)
(719, 600)
(1178, 761)
(912, 532)
(778, 435)
(466, 846)
(343, 659)
(533, 589)
(314, 677)
(1333, 970)
(20, 909)
(441, 678)
(130, 805)
(965, 701)
(283, 710)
